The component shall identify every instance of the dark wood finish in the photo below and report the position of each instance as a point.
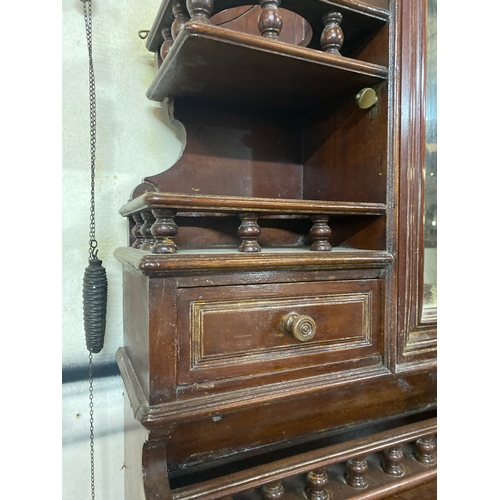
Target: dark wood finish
(317, 481)
(417, 332)
(295, 465)
(146, 234)
(249, 231)
(332, 37)
(319, 77)
(425, 450)
(320, 233)
(356, 473)
(138, 239)
(163, 231)
(273, 491)
(270, 19)
(392, 462)
(241, 345)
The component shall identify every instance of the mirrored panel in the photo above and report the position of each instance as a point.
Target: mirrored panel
(430, 216)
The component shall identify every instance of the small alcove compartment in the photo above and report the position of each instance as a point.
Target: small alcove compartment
(278, 121)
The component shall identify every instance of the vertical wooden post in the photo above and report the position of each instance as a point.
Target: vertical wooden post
(270, 20)
(163, 230)
(425, 450)
(249, 231)
(392, 461)
(136, 231)
(273, 491)
(320, 232)
(316, 485)
(357, 468)
(332, 37)
(146, 230)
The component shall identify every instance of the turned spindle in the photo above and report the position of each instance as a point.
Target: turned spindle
(356, 470)
(146, 230)
(425, 450)
(181, 16)
(332, 37)
(136, 231)
(163, 230)
(320, 232)
(166, 33)
(273, 491)
(270, 20)
(249, 231)
(392, 461)
(200, 10)
(316, 485)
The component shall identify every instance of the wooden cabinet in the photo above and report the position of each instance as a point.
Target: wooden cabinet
(269, 284)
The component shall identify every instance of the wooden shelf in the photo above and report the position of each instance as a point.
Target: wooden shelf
(358, 15)
(241, 204)
(186, 261)
(210, 62)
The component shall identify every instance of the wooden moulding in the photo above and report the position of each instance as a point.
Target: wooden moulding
(189, 263)
(239, 204)
(218, 63)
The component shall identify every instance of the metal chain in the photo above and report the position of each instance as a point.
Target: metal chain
(91, 407)
(87, 11)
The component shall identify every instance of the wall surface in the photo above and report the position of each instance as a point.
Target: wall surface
(135, 138)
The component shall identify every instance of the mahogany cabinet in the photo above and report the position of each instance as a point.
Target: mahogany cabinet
(276, 335)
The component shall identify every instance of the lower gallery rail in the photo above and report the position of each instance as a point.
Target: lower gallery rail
(366, 468)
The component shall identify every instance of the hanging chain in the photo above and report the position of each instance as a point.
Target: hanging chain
(91, 407)
(87, 11)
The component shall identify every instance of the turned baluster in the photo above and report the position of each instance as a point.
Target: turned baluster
(200, 10)
(332, 37)
(181, 16)
(249, 231)
(136, 231)
(167, 42)
(392, 461)
(270, 20)
(316, 485)
(320, 232)
(425, 450)
(146, 230)
(163, 230)
(357, 468)
(273, 491)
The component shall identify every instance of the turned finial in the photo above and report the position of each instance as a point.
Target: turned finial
(181, 16)
(332, 37)
(200, 10)
(167, 42)
(270, 20)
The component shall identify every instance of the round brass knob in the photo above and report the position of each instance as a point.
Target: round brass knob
(302, 327)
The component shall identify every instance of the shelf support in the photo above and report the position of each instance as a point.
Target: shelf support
(270, 20)
(200, 10)
(320, 232)
(249, 231)
(332, 37)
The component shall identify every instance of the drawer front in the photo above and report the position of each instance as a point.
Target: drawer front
(234, 331)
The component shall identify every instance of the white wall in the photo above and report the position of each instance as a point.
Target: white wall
(134, 139)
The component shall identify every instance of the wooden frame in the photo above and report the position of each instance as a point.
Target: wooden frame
(416, 330)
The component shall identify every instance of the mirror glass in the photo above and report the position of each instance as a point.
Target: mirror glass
(430, 215)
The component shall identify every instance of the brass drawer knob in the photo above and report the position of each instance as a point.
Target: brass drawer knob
(302, 327)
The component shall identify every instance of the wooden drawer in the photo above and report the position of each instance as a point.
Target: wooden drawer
(228, 332)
